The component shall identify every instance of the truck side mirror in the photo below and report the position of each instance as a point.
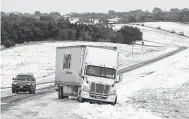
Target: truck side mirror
(120, 77)
(80, 72)
(13, 78)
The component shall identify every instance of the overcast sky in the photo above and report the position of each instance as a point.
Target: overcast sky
(67, 6)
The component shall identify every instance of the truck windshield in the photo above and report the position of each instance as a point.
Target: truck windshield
(23, 77)
(101, 72)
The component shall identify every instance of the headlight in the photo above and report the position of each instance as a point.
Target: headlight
(113, 92)
(29, 83)
(85, 88)
(14, 83)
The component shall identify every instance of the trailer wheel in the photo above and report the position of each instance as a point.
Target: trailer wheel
(59, 92)
(80, 99)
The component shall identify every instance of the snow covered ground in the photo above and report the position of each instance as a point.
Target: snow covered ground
(155, 91)
(39, 59)
(157, 77)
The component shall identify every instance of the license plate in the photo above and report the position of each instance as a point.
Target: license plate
(98, 97)
(21, 86)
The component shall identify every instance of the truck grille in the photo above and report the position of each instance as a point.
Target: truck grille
(99, 88)
(22, 83)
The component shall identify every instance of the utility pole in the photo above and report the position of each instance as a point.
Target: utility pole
(142, 46)
(132, 46)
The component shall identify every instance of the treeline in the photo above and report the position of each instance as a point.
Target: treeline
(157, 14)
(25, 28)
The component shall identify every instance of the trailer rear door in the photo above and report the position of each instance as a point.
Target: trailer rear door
(68, 64)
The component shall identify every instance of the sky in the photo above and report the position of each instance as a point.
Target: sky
(80, 6)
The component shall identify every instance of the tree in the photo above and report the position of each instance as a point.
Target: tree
(130, 34)
(2, 14)
(174, 10)
(132, 19)
(111, 12)
(55, 13)
(157, 10)
(46, 18)
(184, 10)
(185, 18)
(37, 13)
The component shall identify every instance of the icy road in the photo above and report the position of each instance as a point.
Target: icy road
(155, 91)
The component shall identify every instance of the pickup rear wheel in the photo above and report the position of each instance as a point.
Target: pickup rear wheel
(31, 91)
(13, 91)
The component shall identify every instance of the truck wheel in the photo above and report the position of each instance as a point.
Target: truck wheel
(16, 91)
(65, 97)
(80, 99)
(13, 91)
(34, 91)
(31, 91)
(59, 92)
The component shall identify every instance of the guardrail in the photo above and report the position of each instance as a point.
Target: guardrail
(138, 65)
(165, 31)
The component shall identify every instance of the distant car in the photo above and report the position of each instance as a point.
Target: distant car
(181, 33)
(158, 27)
(24, 82)
(172, 31)
(137, 24)
(142, 24)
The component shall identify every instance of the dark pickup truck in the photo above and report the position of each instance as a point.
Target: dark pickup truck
(23, 83)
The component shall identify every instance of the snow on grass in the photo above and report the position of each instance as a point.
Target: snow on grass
(39, 59)
(95, 111)
(170, 26)
(161, 88)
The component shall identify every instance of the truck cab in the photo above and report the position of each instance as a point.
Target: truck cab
(100, 75)
(99, 84)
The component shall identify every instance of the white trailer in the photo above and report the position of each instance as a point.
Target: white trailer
(87, 72)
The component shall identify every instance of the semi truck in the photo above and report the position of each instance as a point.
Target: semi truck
(89, 73)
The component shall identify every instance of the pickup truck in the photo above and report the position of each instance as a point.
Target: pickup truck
(24, 82)
(181, 33)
